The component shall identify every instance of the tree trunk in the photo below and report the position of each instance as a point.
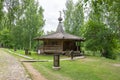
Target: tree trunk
(103, 53)
(30, 43)
(26, 52)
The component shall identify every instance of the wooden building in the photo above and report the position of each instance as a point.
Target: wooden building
(59, 41)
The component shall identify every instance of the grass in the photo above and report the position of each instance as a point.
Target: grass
(90, 68)
(35, 56)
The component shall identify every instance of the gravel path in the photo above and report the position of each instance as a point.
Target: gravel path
(11, 68)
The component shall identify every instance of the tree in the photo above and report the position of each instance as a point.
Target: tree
(74, 17)
(1, 13)
(33, 23)
(78, 18)
(105, 12)
(12, 7)
(68, 15)
(23, 20)
(1, 8)
(99, 38)
(109, 12)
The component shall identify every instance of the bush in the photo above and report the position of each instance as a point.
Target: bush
(110, 54)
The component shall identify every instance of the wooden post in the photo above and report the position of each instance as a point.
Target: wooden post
(72, 55)
(56, 62)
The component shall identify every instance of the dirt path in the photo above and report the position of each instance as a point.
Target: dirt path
(34, 73)
(11, 68)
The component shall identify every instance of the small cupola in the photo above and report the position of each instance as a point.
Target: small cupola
(60, 25)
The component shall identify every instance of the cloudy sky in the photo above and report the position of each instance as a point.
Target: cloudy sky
(51, 12)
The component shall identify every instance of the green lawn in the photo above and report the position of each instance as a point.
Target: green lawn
(89, 68)
(35, 56)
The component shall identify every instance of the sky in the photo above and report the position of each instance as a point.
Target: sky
(51, 13)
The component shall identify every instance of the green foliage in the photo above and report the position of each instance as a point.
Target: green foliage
(1, 13)
(99, 38)
(31, 24)
(24, 21)
(101, 31)
(110, 12)
(68, 16)
(74, 17)
(17, 36)
(5, 38)
(92, 32)
(107, 39)
(1, 7)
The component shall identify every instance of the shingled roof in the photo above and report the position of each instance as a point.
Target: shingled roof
(60, 34)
